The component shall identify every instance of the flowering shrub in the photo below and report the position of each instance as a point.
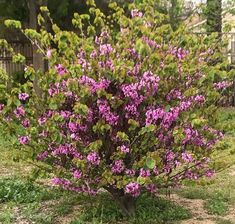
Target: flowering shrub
(126, 104)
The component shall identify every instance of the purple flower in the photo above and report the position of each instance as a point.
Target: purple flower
(43, 155)
(151, 188)
(42, 120)
(65, 114)
(77, 174)
(105, 112)
(155, 171)
(187, 157)
(150, 82)
(174, 94)
(222, 85)
(170, 155)
(131, 111)
(93, 54)
(23, 140)
(136, 13)
(209, 173)
(125, 149)
(60, 69)
(191, 175)
(49, 53)
(105, 49)
(199, 99)
(117, 166)
(92, 84)
(144, 172)
(133, 189)
(23, 96)
(25, 123)
(132, 91)
(130, 172)
(153, 115)
(73, 127)
(66, 149)
(19, 112)
(61, 182)
(93, 158)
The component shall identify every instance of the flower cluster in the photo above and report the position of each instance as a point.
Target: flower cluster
(60, 69)
(222, 85)
(105, 112)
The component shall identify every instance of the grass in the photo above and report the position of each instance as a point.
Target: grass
(6, 215)
(149, 210)
(216, 206)
(40, 205)
(223, 221)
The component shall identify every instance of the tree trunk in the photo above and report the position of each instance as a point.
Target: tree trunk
(125, 202)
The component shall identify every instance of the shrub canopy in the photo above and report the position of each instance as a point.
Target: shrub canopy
(126, 104)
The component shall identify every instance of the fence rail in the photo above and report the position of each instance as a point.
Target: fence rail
(24, 48)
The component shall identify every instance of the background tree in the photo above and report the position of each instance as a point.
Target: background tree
(214, 16)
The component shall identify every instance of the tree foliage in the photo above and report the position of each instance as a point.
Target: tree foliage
(214, 16)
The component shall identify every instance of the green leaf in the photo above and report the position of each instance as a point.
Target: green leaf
(96, 145)
(53, 106)
(150, 163)
(123, 136)
(147, 129)
(167, 108)
(81, 109)
(133, 124)
(13, 23)
(141, 180)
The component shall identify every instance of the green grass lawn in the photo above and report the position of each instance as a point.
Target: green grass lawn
(23, 200)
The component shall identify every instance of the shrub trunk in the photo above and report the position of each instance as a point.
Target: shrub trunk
(125, 202)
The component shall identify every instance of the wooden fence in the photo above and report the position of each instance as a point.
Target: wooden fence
(22, 47)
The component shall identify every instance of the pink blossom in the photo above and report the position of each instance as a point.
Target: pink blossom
(19, 112)
(105, 49)
(133, 189)
(144, 172)
(151, 188)
(222, 85)
(43, 155)
(23, 96)
(26, 123)
(93, 158)
(209, 173)
(130, 172)
(49, 53)
(77, 174)
(60, 69)
(23, 140)
(117, 166)
(42, 120)
(73, 127)
(187, 157)
(125, 149)
(136, 13)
